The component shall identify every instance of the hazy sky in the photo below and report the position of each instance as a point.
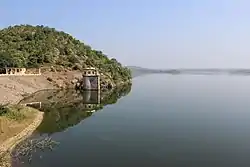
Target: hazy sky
(148, 33)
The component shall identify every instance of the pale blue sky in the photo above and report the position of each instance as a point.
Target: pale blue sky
(148, 33)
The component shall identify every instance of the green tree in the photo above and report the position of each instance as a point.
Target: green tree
(33, 46)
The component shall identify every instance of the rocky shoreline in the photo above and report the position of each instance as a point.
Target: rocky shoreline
(16, 88)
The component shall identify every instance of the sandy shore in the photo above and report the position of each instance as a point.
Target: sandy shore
(14, 88)
(10, 143)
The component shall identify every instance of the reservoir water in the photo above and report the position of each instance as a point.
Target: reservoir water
(164, 120)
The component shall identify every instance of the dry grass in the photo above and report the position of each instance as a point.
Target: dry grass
(15, 120)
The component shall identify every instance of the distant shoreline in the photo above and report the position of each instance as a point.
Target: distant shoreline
(206, 71)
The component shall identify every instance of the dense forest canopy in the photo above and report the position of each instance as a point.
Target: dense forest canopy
(35, 46)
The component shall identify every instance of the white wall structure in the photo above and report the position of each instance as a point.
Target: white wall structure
(8, 71)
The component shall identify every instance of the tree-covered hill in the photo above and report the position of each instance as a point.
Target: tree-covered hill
(36, 46)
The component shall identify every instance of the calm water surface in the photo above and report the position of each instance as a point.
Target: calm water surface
(182, 120)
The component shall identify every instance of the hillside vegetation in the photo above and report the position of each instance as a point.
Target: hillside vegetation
(37, 46)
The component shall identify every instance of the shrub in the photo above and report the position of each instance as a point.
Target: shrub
(15, 114)
(12, 112)
(3, 109)
(49, 79)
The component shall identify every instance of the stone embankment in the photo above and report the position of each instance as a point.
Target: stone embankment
(11, 142)
(7, 146)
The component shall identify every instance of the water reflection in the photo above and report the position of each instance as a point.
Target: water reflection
(66, 108)
(62, 109)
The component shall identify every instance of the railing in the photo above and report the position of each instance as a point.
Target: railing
(33, 103)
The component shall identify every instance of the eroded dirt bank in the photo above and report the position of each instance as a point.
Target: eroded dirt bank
(14, 88)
